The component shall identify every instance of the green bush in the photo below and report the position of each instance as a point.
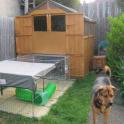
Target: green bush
(115, 52)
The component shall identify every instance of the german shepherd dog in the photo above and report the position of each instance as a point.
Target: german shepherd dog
(102, 95)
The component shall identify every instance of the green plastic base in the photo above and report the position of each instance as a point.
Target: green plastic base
(50, 89)
(24, 94)
(41, 98)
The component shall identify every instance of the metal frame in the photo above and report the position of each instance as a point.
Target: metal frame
(58, 63)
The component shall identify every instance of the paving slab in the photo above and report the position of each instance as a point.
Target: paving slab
(10, 104)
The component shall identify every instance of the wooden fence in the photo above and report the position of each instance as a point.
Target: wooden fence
(100, 10)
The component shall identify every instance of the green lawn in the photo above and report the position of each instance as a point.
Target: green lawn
(72, 108)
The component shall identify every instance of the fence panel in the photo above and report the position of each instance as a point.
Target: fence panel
(7, 38)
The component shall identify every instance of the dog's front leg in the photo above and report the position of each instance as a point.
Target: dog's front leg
(94, 116)
(106, 117)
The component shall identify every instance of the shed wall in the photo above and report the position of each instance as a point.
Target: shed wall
(49, 42)
(71, 42)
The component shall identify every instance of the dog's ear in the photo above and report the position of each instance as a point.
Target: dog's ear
(114, 88)
(98, 90)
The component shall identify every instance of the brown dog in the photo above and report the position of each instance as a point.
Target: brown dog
(103, 95)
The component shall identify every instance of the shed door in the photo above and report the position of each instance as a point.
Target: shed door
(74, 43)
(24, 31)
(74, 34)
(24, 25)
(74, 24)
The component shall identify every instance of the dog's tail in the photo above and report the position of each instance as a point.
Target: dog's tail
(107, 70)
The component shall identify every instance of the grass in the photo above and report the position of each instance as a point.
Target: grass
(72, 108)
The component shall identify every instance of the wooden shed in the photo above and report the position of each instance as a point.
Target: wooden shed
(52, 28)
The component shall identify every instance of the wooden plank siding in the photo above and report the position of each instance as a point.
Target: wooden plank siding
(89, 43)
(74, 40)
(77, 65)
(24, 45)
(75, 44)
(51, 11)
(74, 33)
(49, 42)
(24, 25)
(74, 24)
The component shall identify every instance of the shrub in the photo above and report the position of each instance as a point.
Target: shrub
(115, 52)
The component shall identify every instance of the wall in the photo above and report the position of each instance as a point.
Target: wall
(9, 8)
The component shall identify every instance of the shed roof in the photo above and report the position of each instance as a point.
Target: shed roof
(52, 4)
(86, 18)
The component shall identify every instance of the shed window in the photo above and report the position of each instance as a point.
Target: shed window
(40, 23)
(58, 23)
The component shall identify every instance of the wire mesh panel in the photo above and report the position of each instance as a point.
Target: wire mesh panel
(62, 64)
(9, 103)
(21, 100)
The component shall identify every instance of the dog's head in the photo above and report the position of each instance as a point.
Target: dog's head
(104, 97)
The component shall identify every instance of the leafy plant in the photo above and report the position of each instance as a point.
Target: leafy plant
(115, 53)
